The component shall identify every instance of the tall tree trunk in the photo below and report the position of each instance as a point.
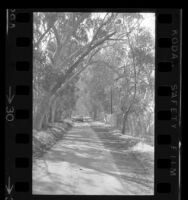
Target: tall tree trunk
(45, 121)
(46, 102)
(58, 115)
(43, 109)
(125, 116)
(95, 114)
(53, 110)
(135, 87)
(57, 111)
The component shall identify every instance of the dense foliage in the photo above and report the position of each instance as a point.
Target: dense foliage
(96, 64)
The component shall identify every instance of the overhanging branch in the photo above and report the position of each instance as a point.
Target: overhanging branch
(42, 36)
(77, 73)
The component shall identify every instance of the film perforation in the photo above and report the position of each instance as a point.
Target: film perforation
(163, 163)
(22, 114)
(21, 162)
(22, 90)
(164, 115)
(22, 186)
(23, 41)
(164, 42)
(164, 90)
(164, 187)
(22, 66)
(164, 139)
(22, 138)
(165, 66)
(164, 18)
(23, 17)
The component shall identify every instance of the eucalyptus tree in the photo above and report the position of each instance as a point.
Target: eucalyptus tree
(137, 78)
(63, 45)
(118, 50)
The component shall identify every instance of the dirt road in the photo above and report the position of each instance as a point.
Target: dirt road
(88, 161)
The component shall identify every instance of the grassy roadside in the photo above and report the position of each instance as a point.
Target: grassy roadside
(139, 148)
(44, 140)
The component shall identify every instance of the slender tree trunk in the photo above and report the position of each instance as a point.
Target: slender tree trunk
(95, 114)
(45, 121)
(46, 102)
(124, 123)
(57, 115)
(53, 110)
(135, 88)
(57, 111)
(42, 110)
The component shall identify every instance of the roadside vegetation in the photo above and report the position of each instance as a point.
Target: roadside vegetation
(99, 65)
(45, 139)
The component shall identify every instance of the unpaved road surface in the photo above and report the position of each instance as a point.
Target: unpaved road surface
(88, 161)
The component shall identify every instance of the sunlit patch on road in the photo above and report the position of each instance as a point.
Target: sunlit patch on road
(81, 124)
(88, 162)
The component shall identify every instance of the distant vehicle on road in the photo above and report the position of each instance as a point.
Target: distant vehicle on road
(78, 119)
(81, 119)
(87, 119)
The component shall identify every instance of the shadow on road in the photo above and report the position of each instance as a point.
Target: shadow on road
(87, 155)
(124, 158)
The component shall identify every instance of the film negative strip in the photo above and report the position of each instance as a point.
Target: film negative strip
(19, 105)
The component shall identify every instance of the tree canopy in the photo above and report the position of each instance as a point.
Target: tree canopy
(102, 62)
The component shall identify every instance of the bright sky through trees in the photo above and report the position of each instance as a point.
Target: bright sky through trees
(149, 22)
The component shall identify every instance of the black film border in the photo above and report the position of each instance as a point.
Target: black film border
(18, 105)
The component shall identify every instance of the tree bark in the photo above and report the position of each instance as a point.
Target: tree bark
(95, 114)
(53, 109)
(125, 116)
(135, 88)
(61, 84)
(42, 110)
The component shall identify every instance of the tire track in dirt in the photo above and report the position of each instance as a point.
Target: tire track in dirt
(88, 162)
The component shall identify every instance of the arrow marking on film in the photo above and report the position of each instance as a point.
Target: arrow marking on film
(9, 188)
(10, 97)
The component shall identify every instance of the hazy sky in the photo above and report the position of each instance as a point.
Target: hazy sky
(149, 22)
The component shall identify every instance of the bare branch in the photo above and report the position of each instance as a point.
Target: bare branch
(114, 39)
(56, 35)
(77, 73)
(102, 62)
(135, 77)
(87, 51)
(101, 26)
(41, 37)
